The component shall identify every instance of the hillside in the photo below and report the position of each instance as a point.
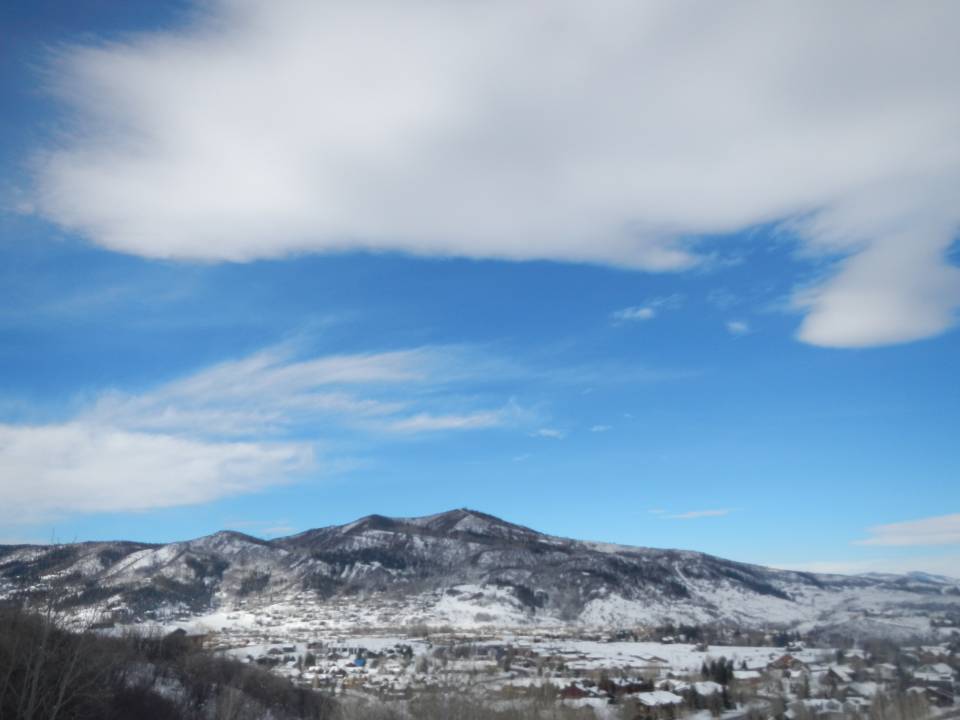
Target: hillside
(464, 567)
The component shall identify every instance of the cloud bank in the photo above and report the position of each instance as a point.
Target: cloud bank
(940, 530)
(533, 131)
(80, 467)
(945, 565)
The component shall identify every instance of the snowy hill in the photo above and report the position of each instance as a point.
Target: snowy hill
(466, 568)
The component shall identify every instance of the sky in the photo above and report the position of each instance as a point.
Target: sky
(672, 275)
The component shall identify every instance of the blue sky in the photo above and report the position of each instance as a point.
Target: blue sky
(273, 267)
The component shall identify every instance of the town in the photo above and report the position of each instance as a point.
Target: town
(624, 674)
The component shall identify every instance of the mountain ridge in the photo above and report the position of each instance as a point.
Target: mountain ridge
(464, 567)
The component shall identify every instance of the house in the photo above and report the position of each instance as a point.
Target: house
(935, 696)
(624, 686)
(658, 698)
(835, 679)
(787, 665)
(707, 688)
(885, 671)
(822, 708)
(673, 685)
(748, 677)
(935, 673)
(651, 664)
(574, 692)
(857, 705)
(838, 675)
(657, 705)
(865, 690)
(936, 652)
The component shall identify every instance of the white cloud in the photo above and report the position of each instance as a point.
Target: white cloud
(948, 565)
(552, 433)
(694, 514)
(940, 530)
(601, 428)
(649, 309)
(533, 131)
(634, 313)
(868, 304)
(425, 422)
(234, 428)
(738, 327)
(271, 391)
(83, 467)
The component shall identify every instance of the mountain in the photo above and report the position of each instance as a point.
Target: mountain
(465, 567)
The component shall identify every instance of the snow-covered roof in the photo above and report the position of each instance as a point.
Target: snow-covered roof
(708, 687)
(658, 697)
(865, 689)
(938, 668)
(841, 672)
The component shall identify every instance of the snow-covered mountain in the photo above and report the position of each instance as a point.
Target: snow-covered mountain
(464, 568)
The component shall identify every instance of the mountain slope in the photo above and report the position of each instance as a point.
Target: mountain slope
(465, 567)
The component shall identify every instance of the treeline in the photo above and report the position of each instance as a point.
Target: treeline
(719, 671)
(713, 634)
(50, 673)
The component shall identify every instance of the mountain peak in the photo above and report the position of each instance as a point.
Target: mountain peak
(469, 522)
(224, 539)
(368, 522)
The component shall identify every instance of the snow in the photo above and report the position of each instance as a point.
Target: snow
(865, 689)
(658, 697)
(477, 584)
(707, 688)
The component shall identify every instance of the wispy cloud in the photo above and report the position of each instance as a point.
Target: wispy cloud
(600, 428)
(552, 433)
(648, 310)
(634, 313)
(270, 391)
(694, 514)
(234, 428)
(947, 565)
(425, 422)
(275, 390)
(738, 327)
(940, 530)
(723, 298)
